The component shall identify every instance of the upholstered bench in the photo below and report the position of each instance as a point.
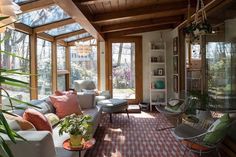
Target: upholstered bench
(114, 105)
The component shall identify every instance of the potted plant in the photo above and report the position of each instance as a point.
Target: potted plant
(201, 101)
(78, 126)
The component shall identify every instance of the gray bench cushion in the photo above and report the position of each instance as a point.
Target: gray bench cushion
(113, 105)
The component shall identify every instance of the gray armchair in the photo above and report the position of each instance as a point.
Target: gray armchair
(88, 86)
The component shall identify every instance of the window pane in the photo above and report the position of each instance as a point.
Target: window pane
(83, 67)
(17, 43)
(43, 16)
(64, 29)
(61, 83)
(61, 57)
(76, 37)
(44, 68)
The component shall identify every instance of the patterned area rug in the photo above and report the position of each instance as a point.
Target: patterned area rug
(135, 137)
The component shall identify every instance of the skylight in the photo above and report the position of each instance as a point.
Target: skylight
(22, 1)
(64, 29)
(43, 16)
(76, 37)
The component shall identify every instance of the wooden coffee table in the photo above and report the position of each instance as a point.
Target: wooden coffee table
(86, 146)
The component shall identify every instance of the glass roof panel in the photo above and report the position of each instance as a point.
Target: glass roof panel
(76, 37)
(43, 16)
(22, 1)
(64, 29)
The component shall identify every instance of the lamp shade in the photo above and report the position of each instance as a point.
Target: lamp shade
(8, 11)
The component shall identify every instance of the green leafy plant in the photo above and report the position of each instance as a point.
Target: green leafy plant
(5, 79)
(202, 100)
(77, 125)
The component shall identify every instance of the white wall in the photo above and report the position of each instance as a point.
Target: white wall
(166, 36)
(157, 36)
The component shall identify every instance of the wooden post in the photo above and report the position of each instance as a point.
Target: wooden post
(33, 66)
(98, 67)
(68, 67)
(54, 66)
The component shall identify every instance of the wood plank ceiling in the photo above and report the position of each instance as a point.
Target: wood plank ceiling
(122, 17)
(114, 18)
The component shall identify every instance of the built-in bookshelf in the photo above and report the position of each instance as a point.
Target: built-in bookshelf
(158, 80)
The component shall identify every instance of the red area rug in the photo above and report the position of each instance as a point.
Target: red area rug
(135, 137)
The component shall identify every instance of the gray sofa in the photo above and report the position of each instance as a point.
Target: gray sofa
(45, 144)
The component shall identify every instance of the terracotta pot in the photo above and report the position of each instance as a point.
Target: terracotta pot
(76, 140)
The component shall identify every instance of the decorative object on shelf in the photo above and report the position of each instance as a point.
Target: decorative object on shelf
(78, 126)
(160, 72)
(175, 46)
(160, 84)
(200, 25)
(157, 46)
(8, 11)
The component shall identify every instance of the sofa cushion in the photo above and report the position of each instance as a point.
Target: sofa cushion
(37, 119)
(52, 118)
(18, 123)
(85, 100)
(44, 104)
(66, 105)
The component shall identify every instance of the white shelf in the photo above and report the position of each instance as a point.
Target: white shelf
(158, 76)
(158, 63)
(157, 94)
(158, 90)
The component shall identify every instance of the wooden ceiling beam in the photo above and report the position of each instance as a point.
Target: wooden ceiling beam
(63, 36)
(49, 26)
(35, 5)
(72, 43)
(23, 28)
(79, 16)
(88, 2)
(138, 30)
(45, 36)
(141, 24)
(174, 8)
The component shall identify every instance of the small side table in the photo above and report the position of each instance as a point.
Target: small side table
(86, 146)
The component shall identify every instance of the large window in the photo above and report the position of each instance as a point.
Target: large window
(84, 64)
(61, 66)
(61, 57)
(221, 59)
(44, 60)
(17, 43)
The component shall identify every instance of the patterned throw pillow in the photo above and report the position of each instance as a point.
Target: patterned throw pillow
(173, 106)
(66, 105)
(52, 118)
(37, 119)
(217, 130)
(18, 123)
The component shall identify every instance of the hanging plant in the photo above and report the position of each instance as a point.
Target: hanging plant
(200, 25)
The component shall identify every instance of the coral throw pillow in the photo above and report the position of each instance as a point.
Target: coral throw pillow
(66, 105)
(19, 123)
(37, 119)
